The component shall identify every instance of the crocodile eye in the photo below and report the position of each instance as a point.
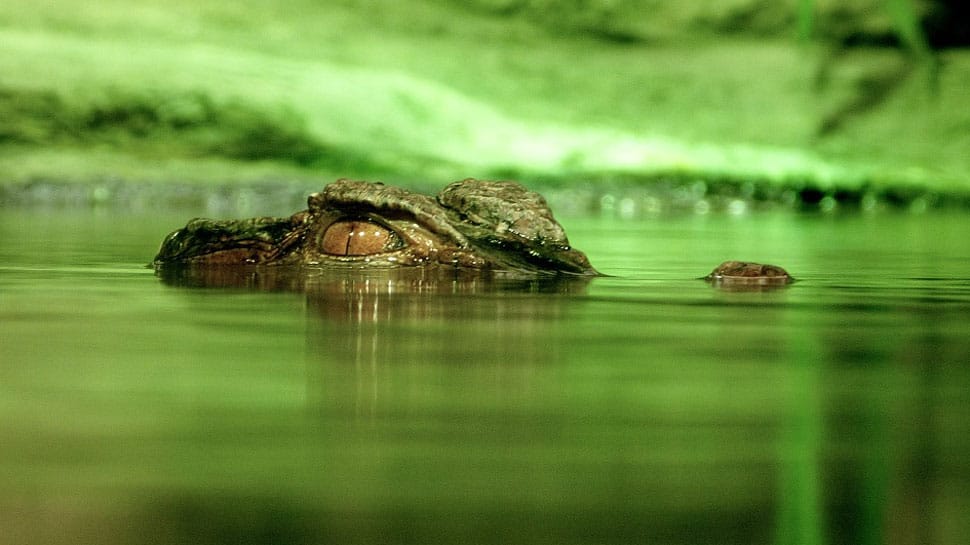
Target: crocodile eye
(359, 238)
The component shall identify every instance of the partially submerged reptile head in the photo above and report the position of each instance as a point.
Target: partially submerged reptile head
(470, 224)
(746, 274)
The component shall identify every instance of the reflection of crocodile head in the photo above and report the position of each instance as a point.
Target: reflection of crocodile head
(471, 224)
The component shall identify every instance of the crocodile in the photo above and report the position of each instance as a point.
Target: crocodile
(470, 224)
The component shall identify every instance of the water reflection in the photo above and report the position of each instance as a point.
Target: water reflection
(242, 407)
(446, 406)
(360, 322)
(340, 283)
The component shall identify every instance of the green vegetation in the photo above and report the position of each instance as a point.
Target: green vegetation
(190, 124)
(428, 90)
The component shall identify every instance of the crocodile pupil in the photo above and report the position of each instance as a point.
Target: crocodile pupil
(358, 237)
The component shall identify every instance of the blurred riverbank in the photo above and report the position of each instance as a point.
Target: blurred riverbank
(423, 92)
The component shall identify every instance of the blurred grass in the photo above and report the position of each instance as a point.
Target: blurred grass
(435, 90)
(190, 124)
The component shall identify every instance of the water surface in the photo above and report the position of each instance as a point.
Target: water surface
(646, 407)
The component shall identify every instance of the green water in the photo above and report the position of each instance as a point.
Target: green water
(646, 407)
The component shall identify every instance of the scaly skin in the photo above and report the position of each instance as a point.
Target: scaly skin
(471, 224)
(744, 273)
